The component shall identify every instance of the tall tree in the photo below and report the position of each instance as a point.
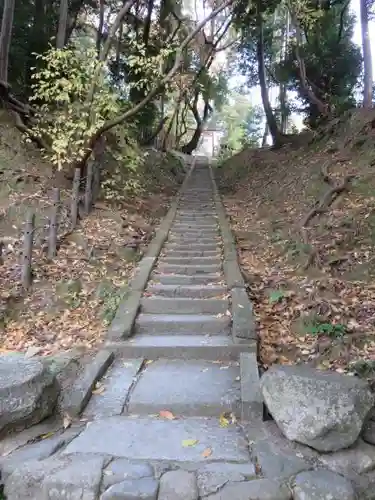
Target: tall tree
(367, 57)
(63, 21)
(5, 38)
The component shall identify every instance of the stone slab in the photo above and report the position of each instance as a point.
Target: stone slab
(258, 489)
(189, 270)
(322, 485)
(176, 246)
(182, 347)
(123, 322)
(187, 291)
(76, 398)
(145, 488)
(251, 397)
(177, 279)
(170, 258)
(116, 385)
(199, 388)
(152, 305)
(172, 324)
(243, 317)
(121, 469)
(215, 253)
(212, 477)
(178, 485)
(147, 438)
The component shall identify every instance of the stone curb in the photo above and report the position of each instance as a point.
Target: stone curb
(242, 310)
(251, 397)
(243, 323)
(123, 322)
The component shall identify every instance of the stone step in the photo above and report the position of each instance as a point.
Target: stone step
(150, 438)
(175, 246)
(178, 279)
(189, 270)
(188, 291)
(195, 231)
(199, 389)
(110, 397)
(181, 347)
(186, 239)
(194, 225)
(193, 261)
(191, 214)
(76, 396)
(181, 324)
(155, 305)
(193, 253)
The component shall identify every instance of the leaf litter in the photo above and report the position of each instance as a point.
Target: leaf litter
(324, 315)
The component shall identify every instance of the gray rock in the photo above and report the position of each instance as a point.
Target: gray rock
(274, 462)
(121, 469)
(364, 485)
(28, 392)
(322, 485)
(56, 478)
(178, 485)
(359, 458)
(79, 480)
(35, 451)
(259, 489)
(368, 432)
(139, 489)
(324, 410)
(211, 477)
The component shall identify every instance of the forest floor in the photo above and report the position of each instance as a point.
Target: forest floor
(313, 289)
(74, 297)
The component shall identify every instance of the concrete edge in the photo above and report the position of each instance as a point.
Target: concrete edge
(251, 396)
(122, 324)
(243, 321)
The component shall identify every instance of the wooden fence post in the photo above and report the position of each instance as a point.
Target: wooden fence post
(1, 253)
(88, 188)
(53, 224)
(75, 198)
(96, 181)
(28, 250)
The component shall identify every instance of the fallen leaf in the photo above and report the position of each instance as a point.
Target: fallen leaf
(168, 415)
(99, 390)
(207, 452)
(224, 422)
(67, 421)
(47, 435)
(187, 443)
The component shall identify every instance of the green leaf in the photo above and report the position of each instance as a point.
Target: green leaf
(276, 296)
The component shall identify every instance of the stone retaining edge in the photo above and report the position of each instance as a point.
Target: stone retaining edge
(243, 322)
(123, 322)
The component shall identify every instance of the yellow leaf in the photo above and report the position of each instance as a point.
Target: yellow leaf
(47, 435)
(67, 421)
(99, 390)
(167, 414)
(224, 422)
(207, 452)
(186, 443)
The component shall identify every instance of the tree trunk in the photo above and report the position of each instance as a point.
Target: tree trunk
(5, 38)
(270, 117)
(265, 135)
(99, 34)
(63, 22)
(367, 59)
(188, 148)
(321, 106)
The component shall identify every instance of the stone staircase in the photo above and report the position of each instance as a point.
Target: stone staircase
(170, 417)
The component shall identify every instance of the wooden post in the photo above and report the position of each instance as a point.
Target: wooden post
(75, 198)
(28, 250)
(88, 188)
(53, 224)
(96, 181)
(1, 253)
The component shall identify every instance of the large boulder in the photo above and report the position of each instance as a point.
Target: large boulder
(28, 392)
(323, 410)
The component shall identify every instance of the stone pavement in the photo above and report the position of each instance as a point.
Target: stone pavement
(171, 408)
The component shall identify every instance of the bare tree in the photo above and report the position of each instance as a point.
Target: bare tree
(63, 21)
(5, 38)
(367, 58)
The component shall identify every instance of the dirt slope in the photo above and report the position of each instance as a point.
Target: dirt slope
(313, 289)
(74, 297)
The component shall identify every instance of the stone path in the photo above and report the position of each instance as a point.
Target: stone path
(175, 413)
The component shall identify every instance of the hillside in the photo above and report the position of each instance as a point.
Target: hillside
(74, 297)
(304, 219)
